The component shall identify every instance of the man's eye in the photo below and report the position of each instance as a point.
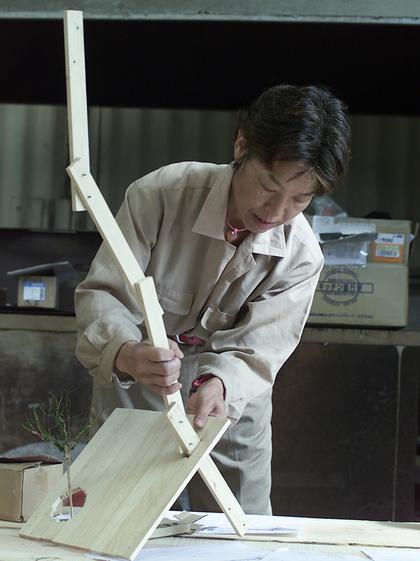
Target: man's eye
(268, 189)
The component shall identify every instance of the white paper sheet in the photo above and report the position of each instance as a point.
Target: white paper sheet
(296, 555)
(234, 551)
(217, 523)
(391, 554)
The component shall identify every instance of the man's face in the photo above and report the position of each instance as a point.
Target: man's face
(263, 197)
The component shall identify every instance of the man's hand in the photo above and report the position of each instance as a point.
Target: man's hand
(207, 400)
(156, 368)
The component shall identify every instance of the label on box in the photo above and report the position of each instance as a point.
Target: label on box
(397, 239)
(38, 291)
(388, 248)
(34, 291)
(342, 286)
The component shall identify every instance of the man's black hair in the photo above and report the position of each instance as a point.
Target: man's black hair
(307, 124)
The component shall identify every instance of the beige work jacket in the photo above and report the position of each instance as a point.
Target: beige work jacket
(249, 303)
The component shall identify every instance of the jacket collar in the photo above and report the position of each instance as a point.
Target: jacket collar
(211, 219)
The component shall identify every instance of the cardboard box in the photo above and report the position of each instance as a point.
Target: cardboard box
(364, 281)
(24, 483)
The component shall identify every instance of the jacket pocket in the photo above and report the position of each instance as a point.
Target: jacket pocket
(214, 319)
(174, 301)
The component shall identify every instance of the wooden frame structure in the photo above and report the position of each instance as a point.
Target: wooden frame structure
(87, 196)
(131, 471)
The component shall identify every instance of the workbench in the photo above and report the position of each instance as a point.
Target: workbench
(328, 538)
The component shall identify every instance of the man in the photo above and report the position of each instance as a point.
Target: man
(235, 265)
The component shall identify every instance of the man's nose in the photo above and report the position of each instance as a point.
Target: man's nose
(278, 207)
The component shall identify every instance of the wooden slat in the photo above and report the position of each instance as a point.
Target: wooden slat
(95, 204)
(152, 314)
(223, 495)
(76, 95)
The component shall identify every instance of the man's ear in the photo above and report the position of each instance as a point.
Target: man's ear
(239, 147)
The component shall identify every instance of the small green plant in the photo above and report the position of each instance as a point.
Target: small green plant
(52, 422)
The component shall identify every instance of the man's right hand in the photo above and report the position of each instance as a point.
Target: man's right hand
(156, 368)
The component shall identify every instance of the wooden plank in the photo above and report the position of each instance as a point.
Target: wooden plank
(15, 548)
(164, 531)
(223, 495)
(152, 312)
(339, 532)
(132, 462)
(76, 95)
(95, 203)
(362, 532)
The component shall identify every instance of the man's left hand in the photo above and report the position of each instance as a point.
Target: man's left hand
(207, 400)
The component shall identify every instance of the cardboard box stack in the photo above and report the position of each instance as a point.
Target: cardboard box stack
(364, 281)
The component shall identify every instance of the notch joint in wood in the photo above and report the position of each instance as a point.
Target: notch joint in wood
(187, 437)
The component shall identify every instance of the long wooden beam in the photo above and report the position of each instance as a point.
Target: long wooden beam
(76, 95)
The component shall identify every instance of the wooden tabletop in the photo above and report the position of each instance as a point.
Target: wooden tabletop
(327, 538)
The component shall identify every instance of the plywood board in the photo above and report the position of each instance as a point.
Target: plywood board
(361, 532)
(14, 548)
(132, 471)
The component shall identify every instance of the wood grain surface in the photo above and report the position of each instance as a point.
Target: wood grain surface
(132, 471)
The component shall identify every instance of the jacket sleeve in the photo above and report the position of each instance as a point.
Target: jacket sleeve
(106, 310)
(248, 356)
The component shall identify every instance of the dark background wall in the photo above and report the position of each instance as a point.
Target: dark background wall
(214, 64)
